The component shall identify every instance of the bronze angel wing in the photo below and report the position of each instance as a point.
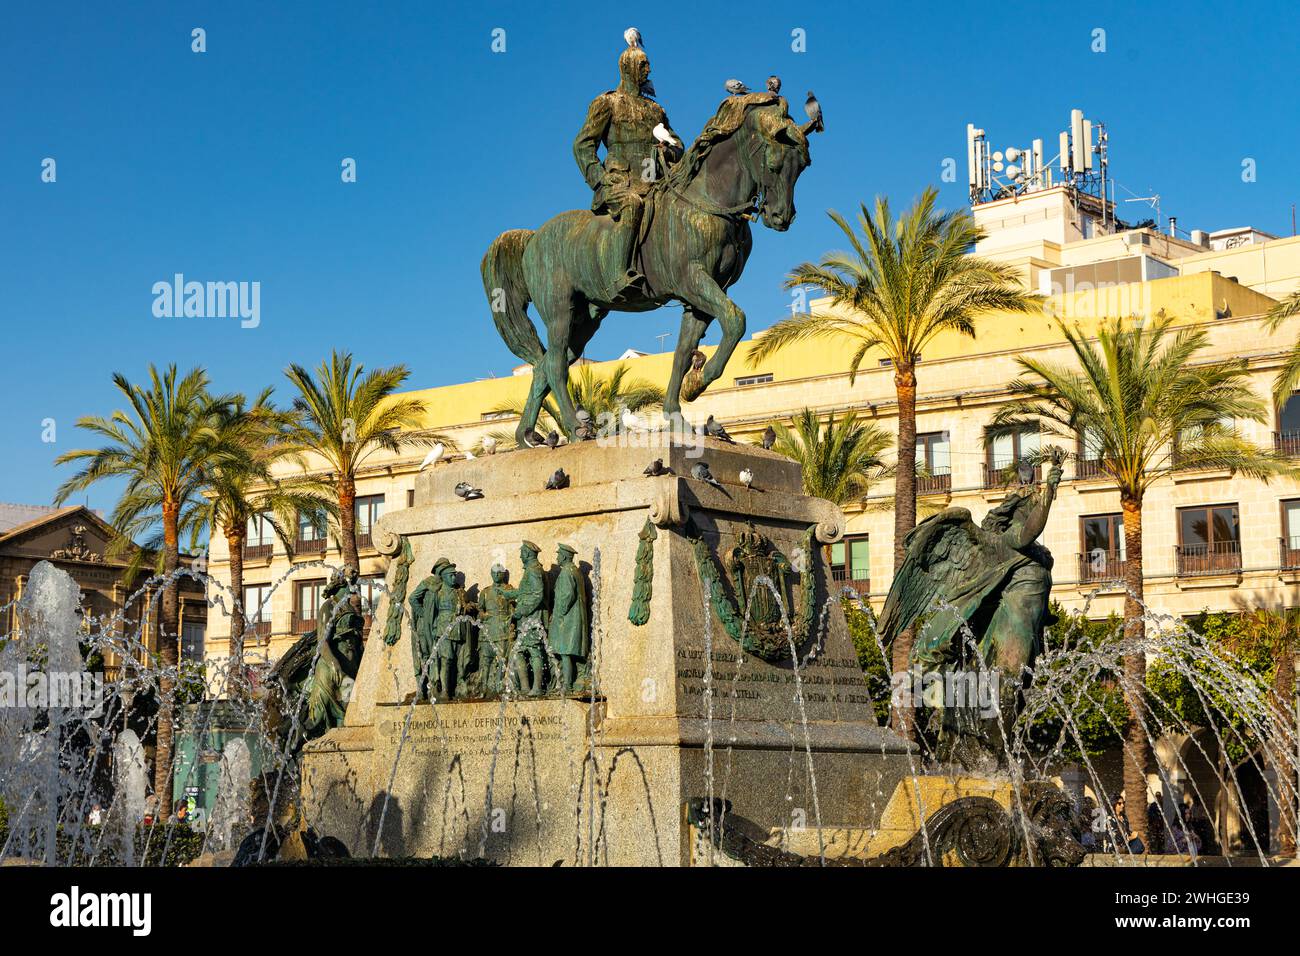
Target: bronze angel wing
(940, 550)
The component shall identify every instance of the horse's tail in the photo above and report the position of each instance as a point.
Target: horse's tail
(507, 292)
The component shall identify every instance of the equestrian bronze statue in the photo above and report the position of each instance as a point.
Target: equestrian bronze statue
(663, 226)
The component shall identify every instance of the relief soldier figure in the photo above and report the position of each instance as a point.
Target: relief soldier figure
(496, 633)
(570, 635)
(453, 638)
(623, 121)
(530, 621)
(423, 603)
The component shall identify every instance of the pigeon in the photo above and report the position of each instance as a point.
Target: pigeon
(656, 468)
(435, 453)
(490, 445)
(736, 88)
(774, 84)
(552, 439)
(700, 472)
(533, 438)
(633, 37)
(713, 428)
(746, 477)
(769, 437)
(467, 492)
(697, 360)
(814, 111)
(631, 422)
(662, 135)
(557, 481)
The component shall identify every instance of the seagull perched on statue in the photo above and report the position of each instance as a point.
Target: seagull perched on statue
(557, 481)
(435, 453)
(774, 84)
(631, 422)
(769, 437)
(633, 37)
(662, 135)
(713, 428)
(736, 88)
(700, 472)
(814, 111)
(467, 492)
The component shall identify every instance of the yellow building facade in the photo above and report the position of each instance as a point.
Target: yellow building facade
(1245, 559)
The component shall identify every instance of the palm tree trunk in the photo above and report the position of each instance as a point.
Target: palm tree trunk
(904, 518)
(235, 544)
(1285, 690)
(168, 653)
(348, 520)
(1137, 752)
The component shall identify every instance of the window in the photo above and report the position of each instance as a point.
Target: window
(1090, 449)
(370, 587)
(367, 509)
(1006, 456)
(1191, 435)
(1209, 540)
(311, 534)
(1102, 557)
(259, 537)
(494, 416)
(257, 609)
(1291, 534)
(933, 463)
(851, 564)
(410, 497)
(192, 640)
(761, 379)
(307, 596)
(1286, 439)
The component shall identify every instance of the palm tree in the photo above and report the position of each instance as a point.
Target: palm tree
(906, 281)
(1140, 407)
(249, 442)
(839, 459)
(1288, 376)
(162, 448)
(347, 414)
(606, 398)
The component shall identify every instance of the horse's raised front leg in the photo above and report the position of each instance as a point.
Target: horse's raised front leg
(706, 296)
(694, 325)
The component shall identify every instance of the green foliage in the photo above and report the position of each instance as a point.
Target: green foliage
(839, 459)
(861, 621)
(159, 845)
(604, 396)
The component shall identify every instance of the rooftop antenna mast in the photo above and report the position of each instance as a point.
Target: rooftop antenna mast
(1153, 202)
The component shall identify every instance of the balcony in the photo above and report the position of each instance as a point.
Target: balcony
(1287, 443)
(1102, 568)
(1085, 468)
(258, 630)
(365, 541)
(301, 624)
(840, 575)
(1200, 560)
(258, 552)
(1000, 475)
(1289, 554)
(935, 481)
(309, 546)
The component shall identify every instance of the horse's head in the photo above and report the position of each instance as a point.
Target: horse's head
(780, 155)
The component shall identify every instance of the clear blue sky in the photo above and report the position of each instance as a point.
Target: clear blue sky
(225, 165)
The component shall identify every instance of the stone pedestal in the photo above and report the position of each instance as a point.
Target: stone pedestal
(679, 711)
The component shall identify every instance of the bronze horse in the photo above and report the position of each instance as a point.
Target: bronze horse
(693, 246)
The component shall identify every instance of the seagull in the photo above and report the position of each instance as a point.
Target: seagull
(814, 111)
(557, 481)
(746, 477)
(769, 437)
(633, 37)
(467, 492)
(656, 468)
(662, 135)
(700, 472)
(713, 428)
(490, 445)
(774, 84)
(552, 439)
(736, 88)
(470, 456)
(435, 453)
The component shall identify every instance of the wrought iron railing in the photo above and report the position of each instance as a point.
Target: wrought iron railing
(258, 552)
(1221, 557)
(1289, 554)
(309, 546)
(1003, 474)
(1287, 443)
(1101, 567)
(935, 481)
(840, 575)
